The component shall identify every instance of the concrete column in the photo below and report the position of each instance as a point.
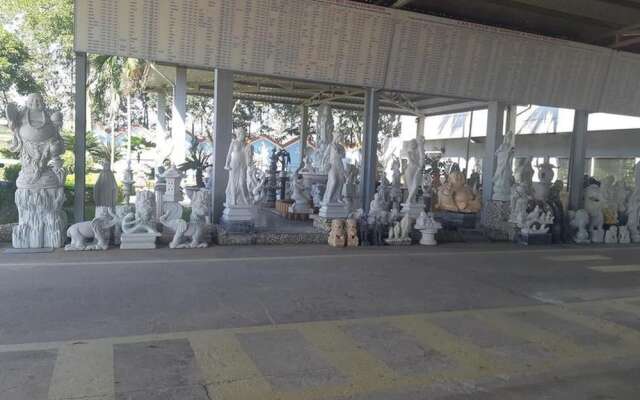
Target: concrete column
(369, 148)
(161, 127)
(80, 146)
(304, 133)
(420, 126)
(577, 159)
(222, 131)
(178, 117)
(495, 131)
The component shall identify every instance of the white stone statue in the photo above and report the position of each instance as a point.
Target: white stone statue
(197, 227)
(623, 235)
(620, 196)
(97, 230)
(301, 200)
(332, 202)
(39, 195)
(238, 204)
(396, 185)
(413, 170)
(580, 221)
(593, 204)
(350, 187)
(256, 184)
(139, 227)
(399, 233)
(105, 191)
(633, 208)
(503, 177)
(321, 157)
(428, 227)
(238, 157)
(377, 209)
(611, 235)
(519, 203)
(542, 189)
(537, 222)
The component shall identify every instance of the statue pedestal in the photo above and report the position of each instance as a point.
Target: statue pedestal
(528, 239)
(42, 221)
(496, 221)
(333, 211)
(398, 242)
(238, 213)
(138, 241)
(413, 209)
(300, 208)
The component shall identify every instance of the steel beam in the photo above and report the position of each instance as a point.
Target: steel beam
(577, 159)
(369, 165)
(80, 146)
(222, 135)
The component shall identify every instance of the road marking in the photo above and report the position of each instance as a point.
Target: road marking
(83, 370)
(617, 268)
(227, 368)
(578, 257)
(17, 265)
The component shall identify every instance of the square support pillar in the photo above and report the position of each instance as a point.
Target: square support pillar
(178, 117)
(420, 126)
(80, 146)
(369, 165)
(161, 128)
(577, 159)
(222, 135)
(304, 133)
(495, 131)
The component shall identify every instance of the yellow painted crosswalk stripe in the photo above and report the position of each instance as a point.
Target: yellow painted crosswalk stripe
(83, 370)
(227, 368)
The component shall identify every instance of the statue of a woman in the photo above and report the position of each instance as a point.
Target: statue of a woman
(238, 157)
(503, 177)
(336, 176)
(413, 170)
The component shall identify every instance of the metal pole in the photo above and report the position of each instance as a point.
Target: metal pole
(577, 159)
(222, 131)
(80, 146)
(370, 147)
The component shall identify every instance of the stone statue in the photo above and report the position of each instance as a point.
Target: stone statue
(593, 204)
(537, 221)
(428, 227)
(377, 209)
(39, 195)
(580, 221)
(337, 235)
(256, 184)
(620, 196)
(237, 193)
(520, 198)
(633, 208)
(197, 227)
(321, 158)
(98, 230)
(610, 206)
(142, 220)
(611, 235)
(352, 233)
(503, 177)
(541, 189)
(454, 195)
(623, 235)
(336, 179)
(413, 170)
(301, 200)
(396, 186)
(105, 191)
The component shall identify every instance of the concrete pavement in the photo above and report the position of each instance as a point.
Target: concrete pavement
(309, 322)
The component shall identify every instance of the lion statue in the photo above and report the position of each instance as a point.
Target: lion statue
(98, 230)
(196, 229)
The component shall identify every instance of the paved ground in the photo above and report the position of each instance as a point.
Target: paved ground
(309, 322)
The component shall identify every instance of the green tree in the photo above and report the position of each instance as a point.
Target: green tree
(15, 72)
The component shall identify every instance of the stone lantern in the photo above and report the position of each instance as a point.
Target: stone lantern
(173, 191)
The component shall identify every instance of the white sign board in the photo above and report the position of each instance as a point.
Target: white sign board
(319, 40)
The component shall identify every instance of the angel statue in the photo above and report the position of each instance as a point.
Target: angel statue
(237, 163)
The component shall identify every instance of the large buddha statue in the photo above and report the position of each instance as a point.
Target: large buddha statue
(455, 195)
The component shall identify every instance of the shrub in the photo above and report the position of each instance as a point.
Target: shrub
(11, 173)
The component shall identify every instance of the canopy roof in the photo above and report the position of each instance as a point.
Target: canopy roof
(609, 23)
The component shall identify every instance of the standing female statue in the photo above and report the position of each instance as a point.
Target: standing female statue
(503, 177)
(336, 178)
(413, 170)
(238, 158)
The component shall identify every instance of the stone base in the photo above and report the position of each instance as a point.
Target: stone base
(534, 239)
(428, 237)
(398, 242)
(457, 220)
(30, 251)
(238, 227)
(495, 221)
(413, 209)
(238, 213)
(137, 241)
(333, 211)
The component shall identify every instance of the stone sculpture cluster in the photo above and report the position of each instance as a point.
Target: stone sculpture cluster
(344, 233)
(456, 196)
